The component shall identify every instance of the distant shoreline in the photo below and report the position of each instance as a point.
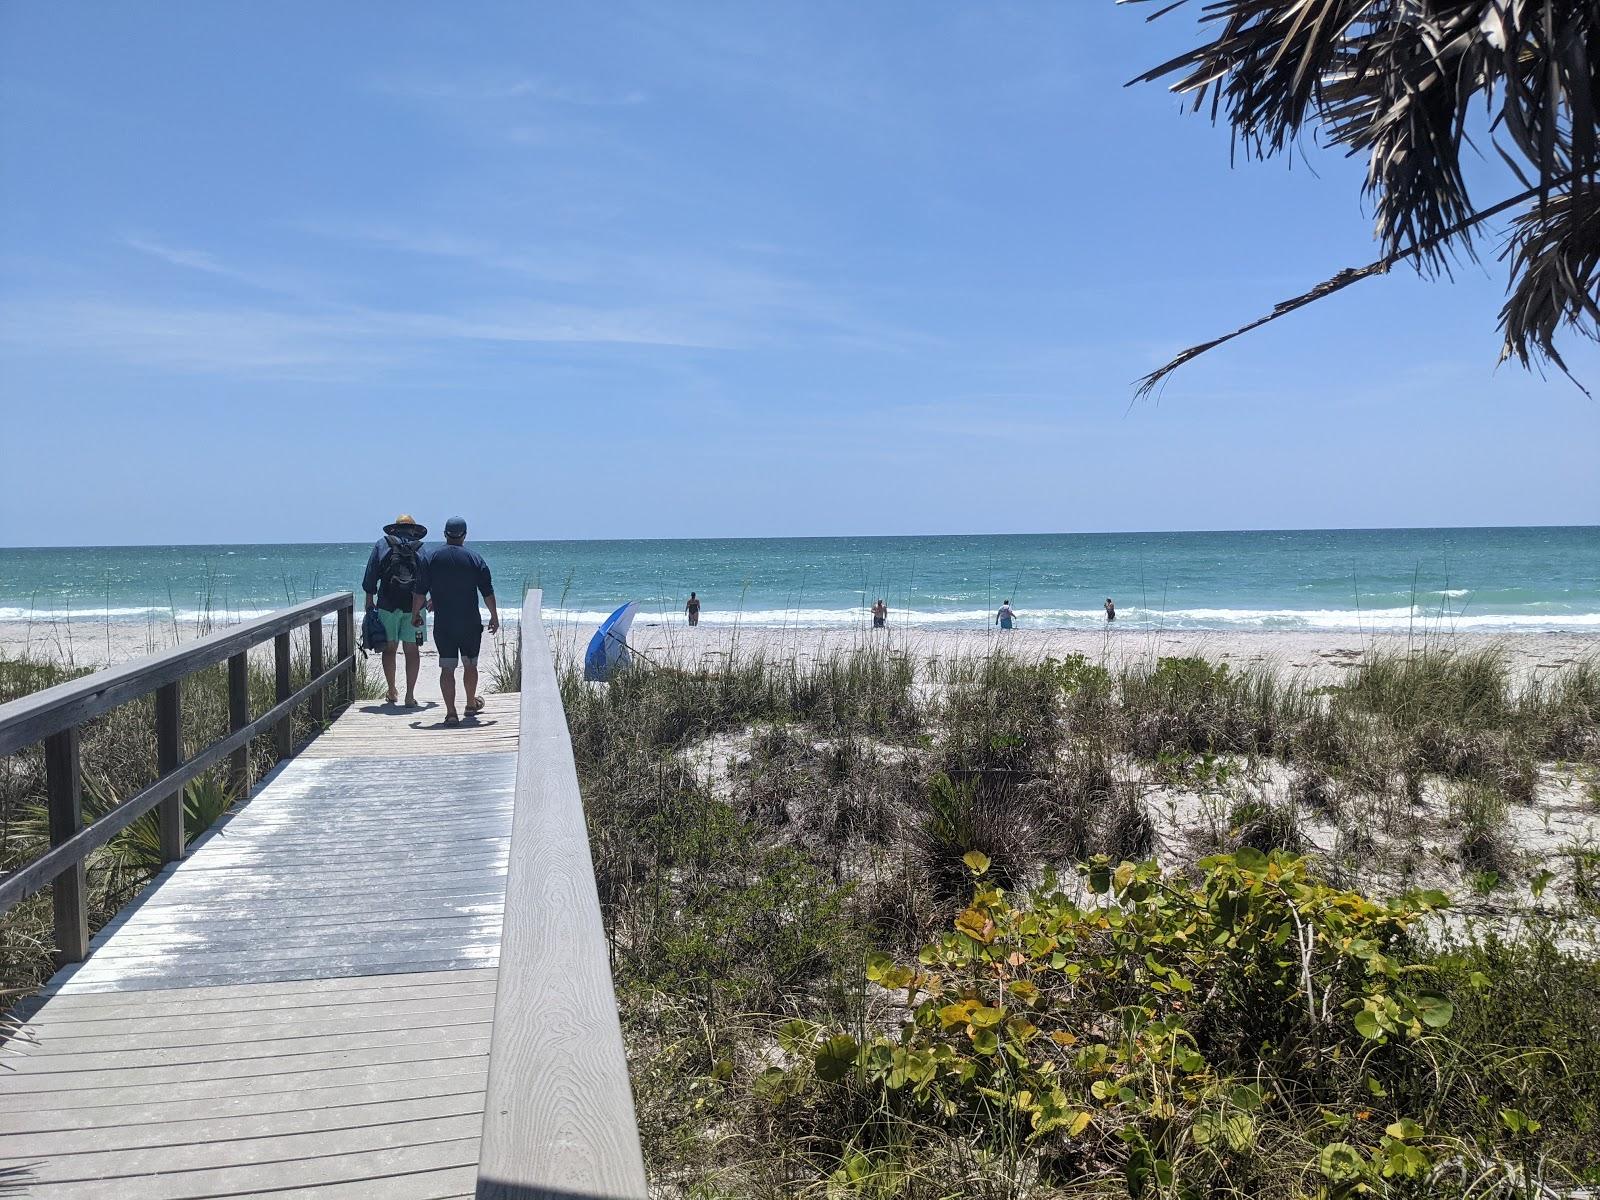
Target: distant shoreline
(1322, 656)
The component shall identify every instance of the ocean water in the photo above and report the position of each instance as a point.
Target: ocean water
(1376, 580)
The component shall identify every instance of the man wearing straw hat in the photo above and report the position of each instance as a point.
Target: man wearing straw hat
(393, 568)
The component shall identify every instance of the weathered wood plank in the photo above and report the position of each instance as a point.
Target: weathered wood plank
(283, 731)
(64, 790)
(142, 1123)
(64, 1039)
(238, 718)
(380, 1167)
(169, 752)
(108, 1064)
(292, 992)
(395, 1109)
(317, 708)
(559, 1116)
(189, 1080)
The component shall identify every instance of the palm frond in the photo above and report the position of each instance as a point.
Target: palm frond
(1399, 81)
(1554, 254)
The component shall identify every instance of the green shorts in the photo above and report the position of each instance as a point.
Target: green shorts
(397, 625)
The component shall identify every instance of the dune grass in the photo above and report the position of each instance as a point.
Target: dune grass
(767, 831)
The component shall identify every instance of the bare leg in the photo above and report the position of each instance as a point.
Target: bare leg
(469, 677)
(447, 689)
(389, 649)
(413, 666)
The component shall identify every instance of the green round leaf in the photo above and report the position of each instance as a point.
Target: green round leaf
(836, 1058)
(1341, 1162)
(1367, 1024)
(1248, 858)
(1434, 1009)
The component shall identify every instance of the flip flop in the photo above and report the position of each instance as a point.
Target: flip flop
(451, 722)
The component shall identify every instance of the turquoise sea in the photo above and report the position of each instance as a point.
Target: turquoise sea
(1392, 579)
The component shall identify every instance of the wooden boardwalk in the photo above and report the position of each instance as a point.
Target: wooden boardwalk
(300, 1007)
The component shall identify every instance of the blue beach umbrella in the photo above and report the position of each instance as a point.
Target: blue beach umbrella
(608, 648)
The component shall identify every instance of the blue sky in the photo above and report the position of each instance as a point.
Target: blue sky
(274, 271)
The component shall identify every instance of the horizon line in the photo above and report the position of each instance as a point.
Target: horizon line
(842, 536)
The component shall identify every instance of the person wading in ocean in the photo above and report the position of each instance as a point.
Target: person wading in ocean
(693, 609)
(454, 577)
(392, 569)
(1006, 616)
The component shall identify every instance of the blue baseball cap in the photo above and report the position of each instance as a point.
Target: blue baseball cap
(455, 527)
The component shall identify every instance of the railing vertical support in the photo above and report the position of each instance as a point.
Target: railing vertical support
(169, 752)
(238, 718)
(65, 789)
(346, 647)
(284, 730)
(319, 704)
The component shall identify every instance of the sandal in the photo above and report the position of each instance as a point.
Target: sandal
(451, 721)
(476, 705)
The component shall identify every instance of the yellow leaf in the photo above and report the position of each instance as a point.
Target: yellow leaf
(957, 1014)
(977, 861)
(976, 925)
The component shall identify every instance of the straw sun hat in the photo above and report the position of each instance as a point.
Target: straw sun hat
(405, 523)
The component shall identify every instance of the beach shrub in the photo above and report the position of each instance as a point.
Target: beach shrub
(1153, 1035)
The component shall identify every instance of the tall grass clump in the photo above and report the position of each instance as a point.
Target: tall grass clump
(1463, 689)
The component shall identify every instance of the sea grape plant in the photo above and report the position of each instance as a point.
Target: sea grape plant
(1147, 1022)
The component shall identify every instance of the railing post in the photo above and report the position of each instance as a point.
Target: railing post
(284, 729)
(169, 751)
(65, 789)
(318, 705)
(346, 647)
(238, 718)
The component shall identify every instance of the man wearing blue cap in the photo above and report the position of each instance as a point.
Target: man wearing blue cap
(455, 576)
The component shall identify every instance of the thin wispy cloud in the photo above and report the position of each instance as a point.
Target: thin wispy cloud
(743, 290)
(486, 90)
(246, 340)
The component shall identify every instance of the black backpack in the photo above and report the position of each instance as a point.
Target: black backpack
(398, 570)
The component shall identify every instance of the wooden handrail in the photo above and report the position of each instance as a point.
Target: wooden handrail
(558, 1117)
(35, 717)
(55, 714)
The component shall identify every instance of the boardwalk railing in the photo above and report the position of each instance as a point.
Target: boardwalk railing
(558, 1119)
(55, 714)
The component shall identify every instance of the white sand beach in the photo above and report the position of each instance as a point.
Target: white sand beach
(1320, 656)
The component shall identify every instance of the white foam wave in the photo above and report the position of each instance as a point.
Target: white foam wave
(1421, 619)
(139, 614)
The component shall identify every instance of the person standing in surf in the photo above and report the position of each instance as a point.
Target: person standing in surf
(1111, 611)
(880, 614)
(391, 573)
(693, 609)
(453, 577)
(1006, 616)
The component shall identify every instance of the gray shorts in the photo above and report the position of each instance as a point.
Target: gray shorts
(457, 644)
